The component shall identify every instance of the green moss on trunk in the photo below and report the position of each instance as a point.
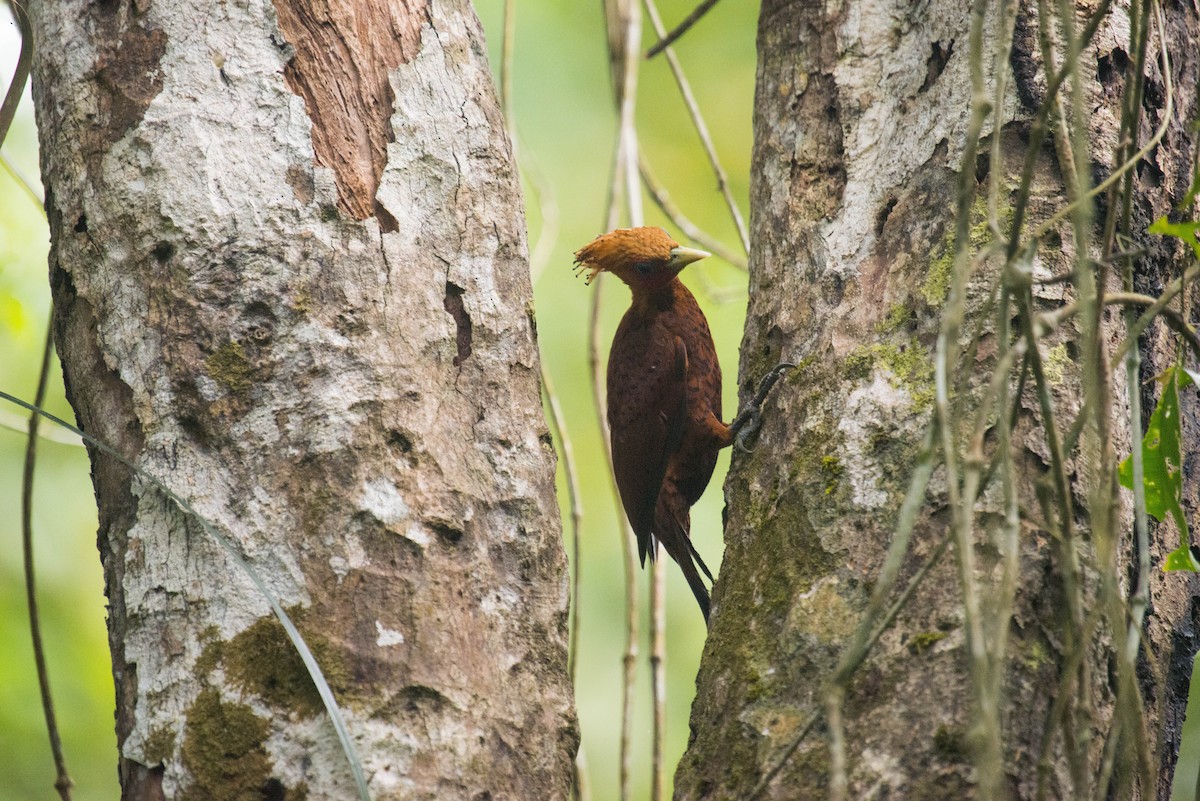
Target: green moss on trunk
(223, 750)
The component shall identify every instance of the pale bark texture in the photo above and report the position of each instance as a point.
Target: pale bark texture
(290, 280)
(860, 127)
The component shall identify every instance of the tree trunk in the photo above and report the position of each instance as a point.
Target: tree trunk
(290, 280)
(861, 123)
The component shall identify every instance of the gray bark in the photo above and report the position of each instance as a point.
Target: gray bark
(860, 126)
(290, 280)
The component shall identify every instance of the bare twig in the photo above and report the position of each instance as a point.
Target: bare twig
(575, 502)
(62, 782)
(680, 29)
(1038, 131)
(1130, 711)
(962, 498)
(624, 26)
(1132, 334)
(658, 193)
(1057, 510)
(685, 89)
(15, 422)
(1154, 310)
(658, 674)
(884, 623)
(8, 110)
(547, 203)
(856, 650)
(23, 182)
(12, 98)
(800, 736)
(539, 256)
(1115, 175)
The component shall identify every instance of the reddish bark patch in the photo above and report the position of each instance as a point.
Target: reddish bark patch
(125, 75)
(344, 51)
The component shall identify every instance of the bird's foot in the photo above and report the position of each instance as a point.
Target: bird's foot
(745, 426)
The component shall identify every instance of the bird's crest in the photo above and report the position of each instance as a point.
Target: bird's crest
(624, 246)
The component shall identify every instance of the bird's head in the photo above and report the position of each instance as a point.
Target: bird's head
(644, 258)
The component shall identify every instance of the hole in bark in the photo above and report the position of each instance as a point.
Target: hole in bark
(163, 251)
(397, 439)
(195, 429)
(1110, 66)
(940, 150)
(417, 696)
(387, 223)
(446, 532)
(259, 310)
(884, 213)
(1152, 100)
(462, 321)
(81, 226)
(1150, 173)
(938, 58)
(273, 790)
(1026, 67)
(983, 166)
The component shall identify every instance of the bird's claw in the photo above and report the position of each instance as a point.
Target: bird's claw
(745, 426)
(748, 430)
(768, 382)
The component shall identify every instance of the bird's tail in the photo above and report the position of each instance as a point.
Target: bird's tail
(672, 531)
(693, 579)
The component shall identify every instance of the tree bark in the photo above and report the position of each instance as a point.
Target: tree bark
(861, 122)
(290, 281)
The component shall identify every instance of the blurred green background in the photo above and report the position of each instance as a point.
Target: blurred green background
(565, 124)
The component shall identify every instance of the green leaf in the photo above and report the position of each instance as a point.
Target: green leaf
(1181, 559)
(1162, 478)
(1183, 231)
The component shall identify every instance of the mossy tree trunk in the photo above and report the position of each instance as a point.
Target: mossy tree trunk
(861, 124)
(290, 280)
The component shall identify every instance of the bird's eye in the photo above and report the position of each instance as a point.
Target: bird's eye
(644, 267)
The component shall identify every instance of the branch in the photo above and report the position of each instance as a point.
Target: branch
(685, 89)
(12, 99)
(62, 782)
(680, 29)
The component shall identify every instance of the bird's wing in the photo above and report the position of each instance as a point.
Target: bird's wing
(647, 396)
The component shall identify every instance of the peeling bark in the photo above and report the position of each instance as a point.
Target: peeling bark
(860, 122)
(343, 53)
(291, 283)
